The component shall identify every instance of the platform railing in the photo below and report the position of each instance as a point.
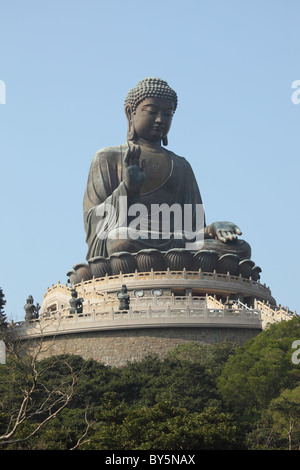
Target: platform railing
(152, 313)
(158, 275)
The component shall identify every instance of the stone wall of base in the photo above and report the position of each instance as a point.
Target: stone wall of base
(117, 347)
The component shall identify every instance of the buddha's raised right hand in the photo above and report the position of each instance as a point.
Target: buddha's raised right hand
(135, 173)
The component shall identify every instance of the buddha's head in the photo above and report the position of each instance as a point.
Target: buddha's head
(149, 108)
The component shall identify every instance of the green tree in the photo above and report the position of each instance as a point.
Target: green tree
(212, 356)
(279, 426)
(163, 427)
(184, 384)
(285, 414)
(260, 370)
(28, 399)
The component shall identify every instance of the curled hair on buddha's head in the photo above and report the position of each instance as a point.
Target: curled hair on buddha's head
(149, 87)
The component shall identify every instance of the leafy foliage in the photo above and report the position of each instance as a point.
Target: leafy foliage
(199, 397)
(260, 370)
(165, 427)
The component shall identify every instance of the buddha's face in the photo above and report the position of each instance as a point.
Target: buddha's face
(152, 119)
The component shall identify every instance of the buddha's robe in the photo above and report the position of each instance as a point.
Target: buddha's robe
(105, 187)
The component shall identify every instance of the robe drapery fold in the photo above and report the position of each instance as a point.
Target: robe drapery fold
(106, 188)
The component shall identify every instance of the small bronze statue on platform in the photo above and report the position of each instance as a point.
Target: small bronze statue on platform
(31, 310)
(75, 302)
(124, 298)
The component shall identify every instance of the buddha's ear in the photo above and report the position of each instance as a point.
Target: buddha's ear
(130, 129)
(128, 113)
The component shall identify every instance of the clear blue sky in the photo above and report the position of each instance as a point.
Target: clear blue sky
(68, 65)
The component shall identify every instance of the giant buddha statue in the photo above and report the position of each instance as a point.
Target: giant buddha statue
(144, 175)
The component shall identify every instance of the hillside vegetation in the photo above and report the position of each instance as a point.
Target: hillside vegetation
(198, 397)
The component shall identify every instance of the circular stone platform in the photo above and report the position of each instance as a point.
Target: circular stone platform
(166, 308)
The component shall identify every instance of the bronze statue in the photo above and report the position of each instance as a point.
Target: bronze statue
(144, 174)
(75, 303)
(31, 310)
(124, 298)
